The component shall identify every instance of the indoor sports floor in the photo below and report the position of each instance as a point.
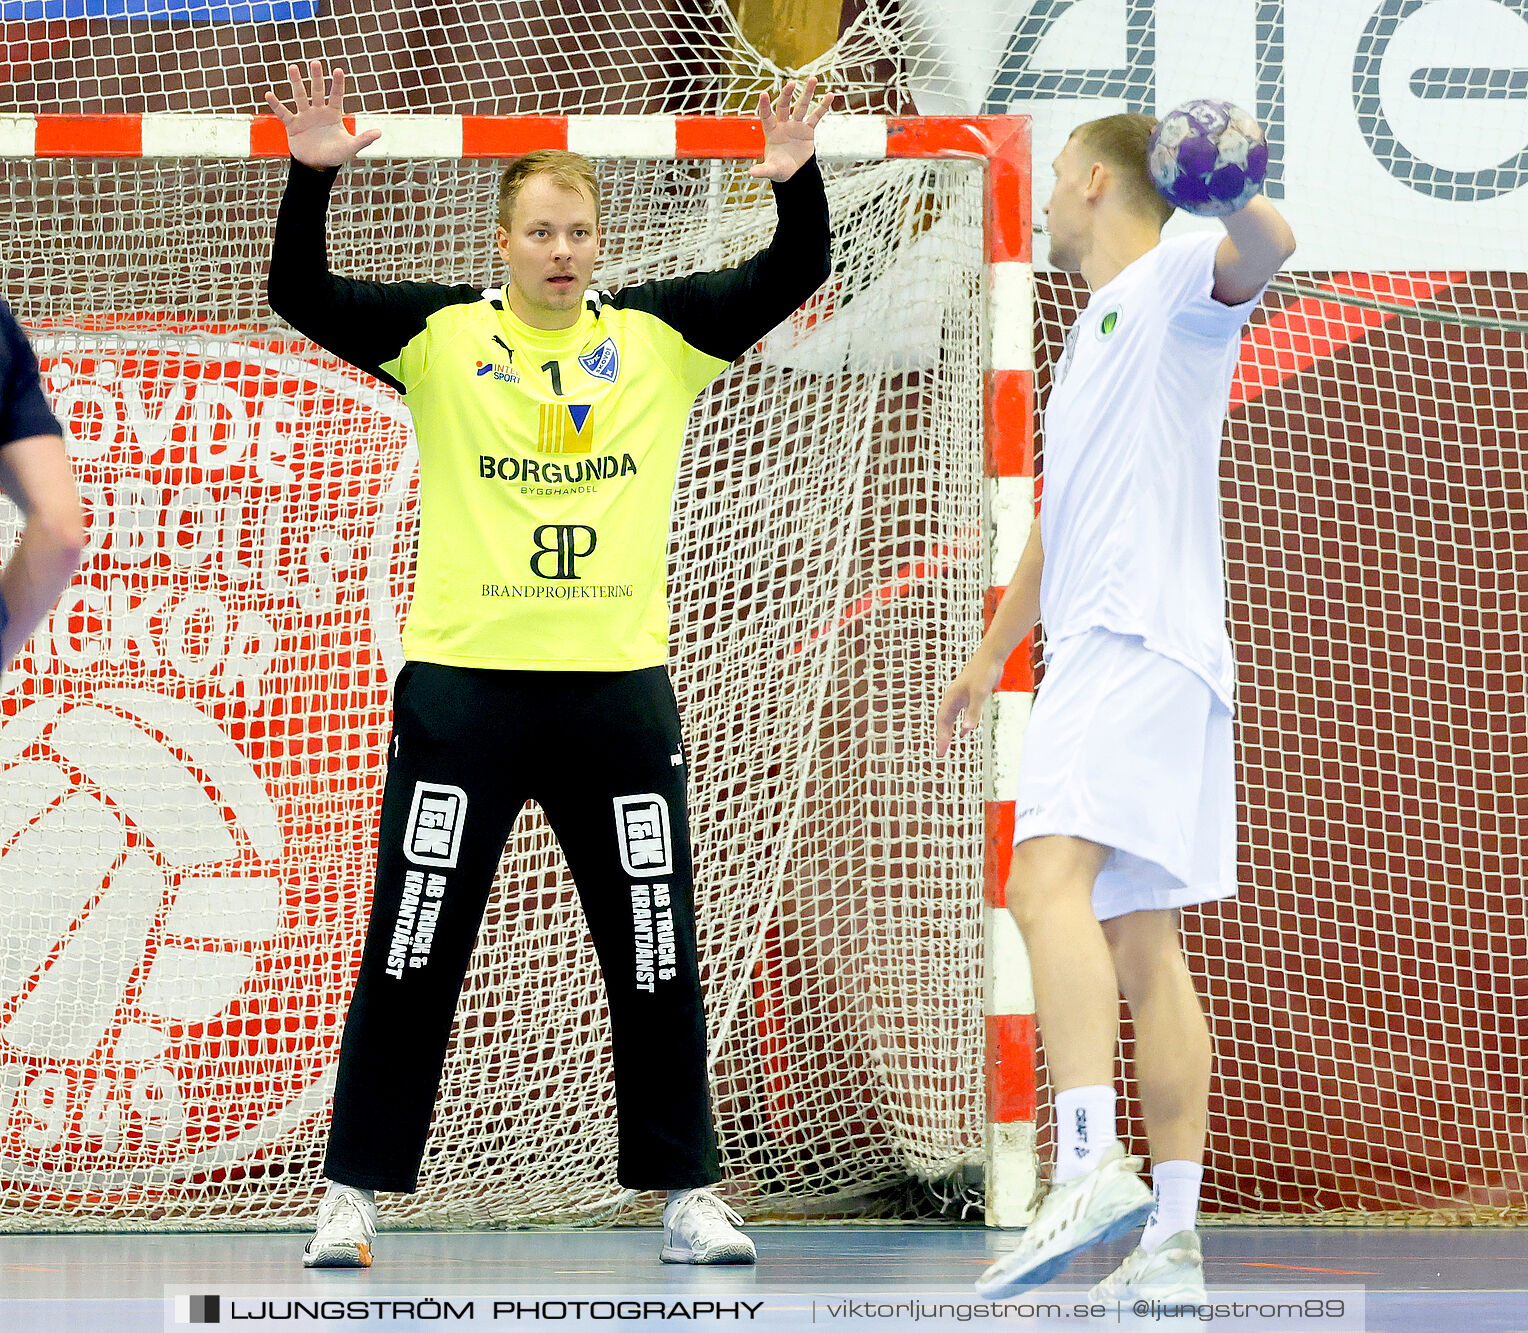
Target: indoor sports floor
(1417, 1280)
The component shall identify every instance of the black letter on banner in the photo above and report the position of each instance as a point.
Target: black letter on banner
(1135, 84)
(1270, 90)
(1447, 84)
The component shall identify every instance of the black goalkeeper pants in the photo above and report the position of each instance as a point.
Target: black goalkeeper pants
(601, 753)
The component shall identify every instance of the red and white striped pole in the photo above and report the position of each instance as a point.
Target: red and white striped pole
(1010, 467)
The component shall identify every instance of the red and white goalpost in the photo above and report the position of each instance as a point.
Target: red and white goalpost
(191, 749)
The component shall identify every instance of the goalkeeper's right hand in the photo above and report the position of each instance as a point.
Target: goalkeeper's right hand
(315, 125)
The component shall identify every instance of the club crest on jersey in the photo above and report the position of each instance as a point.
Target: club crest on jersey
(565, 429)
(604, 362)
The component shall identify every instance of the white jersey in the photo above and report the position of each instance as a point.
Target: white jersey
(1130, 514)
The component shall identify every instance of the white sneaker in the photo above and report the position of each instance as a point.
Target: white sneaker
(347, 1225)
(701, 1229)
(1098, 1206)
(1173, 1274)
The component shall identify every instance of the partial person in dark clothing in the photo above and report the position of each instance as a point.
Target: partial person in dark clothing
(35, 474)
(550, 418)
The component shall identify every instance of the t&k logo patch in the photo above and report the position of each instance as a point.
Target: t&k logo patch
(604, 362)
(642, 829)
(434, 833)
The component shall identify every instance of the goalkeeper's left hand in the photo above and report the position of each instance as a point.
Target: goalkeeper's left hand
(789, 130)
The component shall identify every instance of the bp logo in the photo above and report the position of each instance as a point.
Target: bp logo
(1108, 323)
(191, 752)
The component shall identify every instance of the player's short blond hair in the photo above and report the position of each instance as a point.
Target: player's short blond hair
(573, 171)
(1119, 142)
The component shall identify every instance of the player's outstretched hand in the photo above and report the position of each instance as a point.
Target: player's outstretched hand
(790, 128)
(315, 125)
(967, 695)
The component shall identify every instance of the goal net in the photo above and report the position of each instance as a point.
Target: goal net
(192, 748)
(501, 58)
(1366, 989)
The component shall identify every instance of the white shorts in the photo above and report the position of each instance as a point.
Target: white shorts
(1132, 750)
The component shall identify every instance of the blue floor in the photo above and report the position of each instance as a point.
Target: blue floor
(1433, 1280)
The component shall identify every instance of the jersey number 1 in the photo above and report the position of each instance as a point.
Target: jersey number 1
(552, 369)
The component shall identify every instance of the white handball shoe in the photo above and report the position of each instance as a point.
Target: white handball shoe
(1172, 1274)
(1098, 1206)
(347, 1226)
(701, 1229)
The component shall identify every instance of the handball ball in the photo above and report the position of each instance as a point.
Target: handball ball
(1208, 157)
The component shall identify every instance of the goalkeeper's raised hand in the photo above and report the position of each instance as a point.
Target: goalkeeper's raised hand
(315, 124)
(790, 126)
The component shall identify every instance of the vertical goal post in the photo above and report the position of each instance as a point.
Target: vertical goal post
(1001, 145)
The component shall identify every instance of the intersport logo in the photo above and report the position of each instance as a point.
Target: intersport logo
(191, 754)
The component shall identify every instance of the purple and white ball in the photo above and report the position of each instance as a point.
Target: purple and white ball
(1208, 157)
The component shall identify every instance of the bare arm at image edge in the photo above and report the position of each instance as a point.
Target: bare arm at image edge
(35, 474)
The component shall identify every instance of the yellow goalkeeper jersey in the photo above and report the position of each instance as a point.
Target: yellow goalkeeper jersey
(546, 478)
(547, 458)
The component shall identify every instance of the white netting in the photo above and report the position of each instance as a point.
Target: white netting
(191, 754)
(502, 57)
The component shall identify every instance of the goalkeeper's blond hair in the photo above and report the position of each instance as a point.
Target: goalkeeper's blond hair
(573, 171)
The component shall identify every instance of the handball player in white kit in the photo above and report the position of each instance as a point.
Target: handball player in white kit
(1126, 805)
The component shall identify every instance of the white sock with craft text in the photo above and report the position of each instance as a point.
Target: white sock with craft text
(1176, 1187)
(1084, 1129)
